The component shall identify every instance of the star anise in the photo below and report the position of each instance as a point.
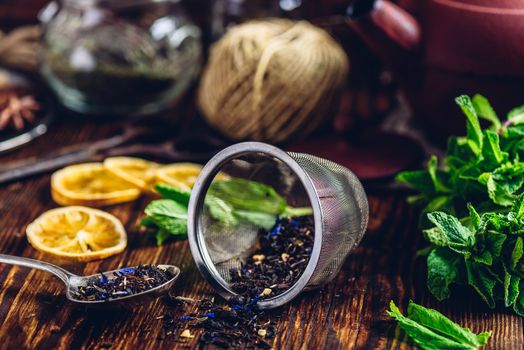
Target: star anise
(17, 110)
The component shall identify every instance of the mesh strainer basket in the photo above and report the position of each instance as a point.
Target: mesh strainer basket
(340, 212)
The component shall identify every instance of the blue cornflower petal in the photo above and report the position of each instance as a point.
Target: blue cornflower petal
(127, 270)
(103, 279)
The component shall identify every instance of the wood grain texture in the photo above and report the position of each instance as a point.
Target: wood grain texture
(348, 313)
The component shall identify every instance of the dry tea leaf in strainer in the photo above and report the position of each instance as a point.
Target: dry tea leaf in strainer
(336, 196)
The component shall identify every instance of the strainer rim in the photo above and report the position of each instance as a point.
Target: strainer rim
(196, 240)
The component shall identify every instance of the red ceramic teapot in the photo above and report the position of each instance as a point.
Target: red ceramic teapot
(443, 48)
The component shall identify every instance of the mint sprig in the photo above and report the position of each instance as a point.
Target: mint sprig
(431, 330)
(229, 202)
(483, 168)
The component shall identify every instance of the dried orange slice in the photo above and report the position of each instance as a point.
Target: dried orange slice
(79, 233)
(90, 184)
(135, 171)
(182, 175)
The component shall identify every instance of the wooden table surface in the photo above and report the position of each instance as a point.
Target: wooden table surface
(348, 313)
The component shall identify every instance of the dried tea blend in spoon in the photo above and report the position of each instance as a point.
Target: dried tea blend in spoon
(123, 282)
(122, 286)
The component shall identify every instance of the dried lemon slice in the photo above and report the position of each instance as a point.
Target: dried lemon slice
(90, 184)
(182, 175)
(135, 171)
(76, 232)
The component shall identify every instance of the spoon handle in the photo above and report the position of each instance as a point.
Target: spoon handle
(59, 272)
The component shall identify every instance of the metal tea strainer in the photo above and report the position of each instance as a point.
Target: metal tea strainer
(336, 196)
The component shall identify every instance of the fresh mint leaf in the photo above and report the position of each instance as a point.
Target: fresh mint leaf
(245, 195)
(419, 180)
(491, 151)
(168, 215)
(456, 234)
(264, 220)
(436, 321)
(511, 288)
(166, 207)
(517, 253)
(518, 307)
(221, 211)
(435, 175)
(249, 195)
(485, 111)
(174, 193)
(518, 206)
(431, 330)
(474, 133)
(443, 270)
(483, 280)
(516, 115)
(498, 194)
(474, 217)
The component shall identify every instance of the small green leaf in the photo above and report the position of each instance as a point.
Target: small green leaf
(166, 207)
(474, 133)
(493, 156)
(168, 215)
(498, 194)
(174, 193)
(453, 230)
(519, 303)
(485, 110)
(435, 175)
(518, 206)
(474, 216)
(511, 288)
(220, 210)
(418, 180)
(264, 220)
(443, 270)
(517, 253)
(516, 115)
(493, 242)
(482, 280)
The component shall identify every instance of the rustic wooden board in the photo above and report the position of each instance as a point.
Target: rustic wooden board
(348, 313)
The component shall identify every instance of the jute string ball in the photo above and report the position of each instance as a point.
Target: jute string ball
(19, 48)
(271, 80)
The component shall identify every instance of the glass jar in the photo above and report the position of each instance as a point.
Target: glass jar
(118, 56)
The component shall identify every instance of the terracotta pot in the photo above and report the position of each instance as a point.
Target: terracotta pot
(452, 47)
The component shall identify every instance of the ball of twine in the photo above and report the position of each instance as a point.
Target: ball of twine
(271, 80)
(19, 48)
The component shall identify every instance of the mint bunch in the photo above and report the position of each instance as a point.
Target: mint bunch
(485, 167)
(229, 202)
(474, 203)
(431, 330)
(487, 255)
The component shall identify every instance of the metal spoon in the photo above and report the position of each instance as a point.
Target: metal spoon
(73, 282)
